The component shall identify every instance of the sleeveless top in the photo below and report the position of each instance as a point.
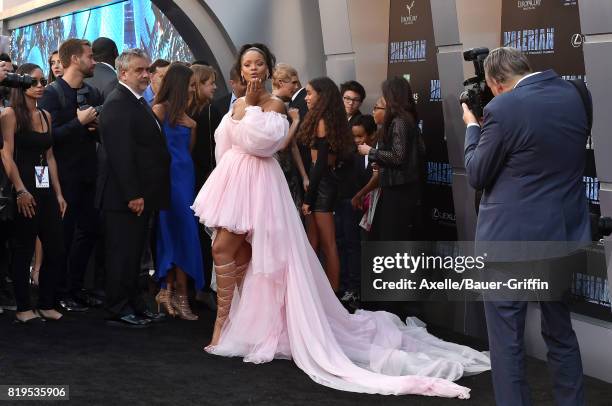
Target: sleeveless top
(30, 151)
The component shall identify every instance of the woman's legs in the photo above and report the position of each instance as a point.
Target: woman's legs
(225, 250)
(312, 232)
(171, 279)
(51, 238)
(22, 245)
(180, 300)
(327, 237)
(243, 257)
(38, 258)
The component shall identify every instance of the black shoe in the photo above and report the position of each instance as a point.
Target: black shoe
(152, 316)
(88, 299)
(32, 321)
(7, 300)
(71, 305)
(129, 321)
(42, 316)
(208, 298)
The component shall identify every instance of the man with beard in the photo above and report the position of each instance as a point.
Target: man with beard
(71, 103)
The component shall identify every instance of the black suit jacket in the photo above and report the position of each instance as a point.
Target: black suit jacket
(137, 159)
(74, 145)
(222, 104)
(104, 79)
(299, 102)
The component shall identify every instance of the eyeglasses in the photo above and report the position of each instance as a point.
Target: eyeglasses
(43, 82)
(351, 100)
(379, 108)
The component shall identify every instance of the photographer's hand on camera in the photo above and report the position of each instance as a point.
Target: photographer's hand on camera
(468, 116)
(87, 116)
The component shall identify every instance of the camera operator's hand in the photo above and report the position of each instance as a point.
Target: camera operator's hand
(3, 71)
(468, 116)
(86, 116)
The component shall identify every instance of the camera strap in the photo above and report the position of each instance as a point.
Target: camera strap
(586, 100)
(88, 93)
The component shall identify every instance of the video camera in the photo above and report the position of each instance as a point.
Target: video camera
(478, 94)
(17, 81)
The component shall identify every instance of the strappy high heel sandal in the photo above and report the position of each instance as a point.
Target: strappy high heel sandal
(181, 306)
(164, 299)
(226, 283)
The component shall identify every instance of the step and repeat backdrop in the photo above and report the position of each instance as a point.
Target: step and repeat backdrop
(548, 32)
(412, 54)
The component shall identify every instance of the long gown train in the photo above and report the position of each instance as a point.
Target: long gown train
(286, 307)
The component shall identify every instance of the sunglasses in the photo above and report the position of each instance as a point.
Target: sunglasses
(43, 82)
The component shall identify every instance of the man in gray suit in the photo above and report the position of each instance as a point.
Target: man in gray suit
(529, 159)
(105, 77)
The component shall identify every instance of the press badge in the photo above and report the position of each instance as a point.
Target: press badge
(41, 173)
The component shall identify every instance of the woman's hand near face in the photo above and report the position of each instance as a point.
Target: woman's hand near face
(252, 92)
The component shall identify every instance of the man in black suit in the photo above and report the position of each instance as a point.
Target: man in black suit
(104, 78)
(298, 101)
(71, 102)
(134, 184)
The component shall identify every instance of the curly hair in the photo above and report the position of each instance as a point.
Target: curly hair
(400, 102)
(263, 50)
(330, 109)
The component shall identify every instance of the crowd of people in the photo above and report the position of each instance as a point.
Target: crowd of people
(120, 164)
(333, 178)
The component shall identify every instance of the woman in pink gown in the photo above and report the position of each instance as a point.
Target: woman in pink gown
(274, 299)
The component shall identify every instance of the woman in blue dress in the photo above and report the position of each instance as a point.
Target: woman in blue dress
(178, 245)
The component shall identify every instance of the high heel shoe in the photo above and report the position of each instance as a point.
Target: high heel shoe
(164, 299)
(226, 283)
(45, 318)
(181, 306)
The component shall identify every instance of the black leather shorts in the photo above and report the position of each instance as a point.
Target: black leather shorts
(327, 193)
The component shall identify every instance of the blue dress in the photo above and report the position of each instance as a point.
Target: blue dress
(178, 242)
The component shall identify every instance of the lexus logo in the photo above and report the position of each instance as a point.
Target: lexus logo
(577, 40)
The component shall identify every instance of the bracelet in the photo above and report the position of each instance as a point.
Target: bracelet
(21, 192)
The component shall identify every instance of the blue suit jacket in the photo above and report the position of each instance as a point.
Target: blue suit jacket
(529, 159)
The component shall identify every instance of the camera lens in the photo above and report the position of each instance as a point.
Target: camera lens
(17, 81)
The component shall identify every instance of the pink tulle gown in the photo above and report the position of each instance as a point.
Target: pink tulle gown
(286, 307)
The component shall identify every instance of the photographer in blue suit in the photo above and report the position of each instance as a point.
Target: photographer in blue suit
(529, 159)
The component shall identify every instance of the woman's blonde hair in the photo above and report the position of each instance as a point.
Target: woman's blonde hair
(202, 73)
(282, 72)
